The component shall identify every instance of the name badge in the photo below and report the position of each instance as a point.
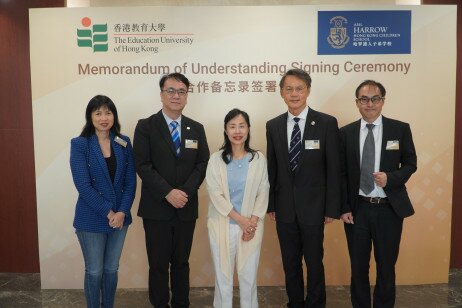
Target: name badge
(120, 141)
(312, 145)
(191, 144)
(392, 145)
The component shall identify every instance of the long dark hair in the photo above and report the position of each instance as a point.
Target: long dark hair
(226, 147)
(94, 104)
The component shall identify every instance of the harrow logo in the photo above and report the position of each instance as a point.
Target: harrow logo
(338, 36)
(94, 37)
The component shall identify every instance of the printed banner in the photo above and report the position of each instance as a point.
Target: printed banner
(234, 58)
(364, 32)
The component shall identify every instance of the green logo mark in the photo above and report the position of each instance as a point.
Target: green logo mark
(95, 37)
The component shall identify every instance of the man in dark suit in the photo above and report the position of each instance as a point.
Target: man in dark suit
(304, 174)
(378, 156)
(171, 155)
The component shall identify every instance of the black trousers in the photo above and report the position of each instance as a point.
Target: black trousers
(299, 241)
(378, 225)
(168, 245)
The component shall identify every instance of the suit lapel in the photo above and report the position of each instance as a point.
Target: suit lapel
(96, 150)
(308, 133)
(164, 130)
(118, 152)
(355, 141)
(385, 136)
(185, 134)
(282, 132)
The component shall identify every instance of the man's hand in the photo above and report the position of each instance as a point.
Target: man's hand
(177, 198)
(272, 215)
(380, 178)
(328, 220)
(347, 218)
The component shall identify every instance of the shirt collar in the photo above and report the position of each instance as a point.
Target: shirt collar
(301, 116)
(170, 120)
(377, 122)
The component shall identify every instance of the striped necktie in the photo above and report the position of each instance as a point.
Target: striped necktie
(295, 146)
(175, 137)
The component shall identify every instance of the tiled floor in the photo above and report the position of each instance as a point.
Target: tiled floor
(23, 290)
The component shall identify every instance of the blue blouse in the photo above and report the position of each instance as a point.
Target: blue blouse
(237, 176)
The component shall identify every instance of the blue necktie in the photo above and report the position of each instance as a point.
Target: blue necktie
(295, 146)
(175, 137)
(366, 182)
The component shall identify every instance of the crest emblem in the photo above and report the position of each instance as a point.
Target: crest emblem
(338, 36)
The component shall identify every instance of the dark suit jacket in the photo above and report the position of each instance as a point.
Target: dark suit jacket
(399, 165)
(314, 190)
(161, 170)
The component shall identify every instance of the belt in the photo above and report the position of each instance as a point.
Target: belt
(374, 200)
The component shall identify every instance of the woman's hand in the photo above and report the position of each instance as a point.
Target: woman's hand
(249, 233)
(117, 220)
(247, 225)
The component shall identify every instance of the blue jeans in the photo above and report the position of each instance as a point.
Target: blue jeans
(101, 253)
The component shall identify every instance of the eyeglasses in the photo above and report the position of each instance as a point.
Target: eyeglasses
(365, 100)
(172, 92)
(297, 90)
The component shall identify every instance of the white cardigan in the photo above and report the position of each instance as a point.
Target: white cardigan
(255, 202)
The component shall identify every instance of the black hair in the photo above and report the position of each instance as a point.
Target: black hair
(226, 147)
(372, 83)
(177, 76)
(299, 73)
(94, 104)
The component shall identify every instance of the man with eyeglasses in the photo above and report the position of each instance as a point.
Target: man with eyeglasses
(378, 158)
(303, 148)
(171, 155)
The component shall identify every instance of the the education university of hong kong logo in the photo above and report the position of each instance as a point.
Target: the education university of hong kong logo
(338, 36)
(94, 37)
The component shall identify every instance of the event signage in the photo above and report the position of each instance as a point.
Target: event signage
(364, 32)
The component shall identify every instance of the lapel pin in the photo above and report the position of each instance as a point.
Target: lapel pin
(312, 123)
(187, 127)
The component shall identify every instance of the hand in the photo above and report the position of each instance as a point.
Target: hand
(250, 231)
(247, 236)
(347, 218)
(177, 198)
(328, 220)
(272, 215)
(117, 220)
(247, 225)
(254, 219)
(380, 178)
(110, 214)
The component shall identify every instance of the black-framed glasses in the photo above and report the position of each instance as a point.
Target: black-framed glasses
(363, 100)
(172, 92)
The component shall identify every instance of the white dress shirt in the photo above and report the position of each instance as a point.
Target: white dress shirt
(291, 123)
(169, 120)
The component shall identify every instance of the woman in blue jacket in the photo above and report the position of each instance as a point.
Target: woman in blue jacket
(104, 174)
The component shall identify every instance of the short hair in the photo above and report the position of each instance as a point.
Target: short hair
(299, 73)
(177, 76)
(372, 83)
(96, 103)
